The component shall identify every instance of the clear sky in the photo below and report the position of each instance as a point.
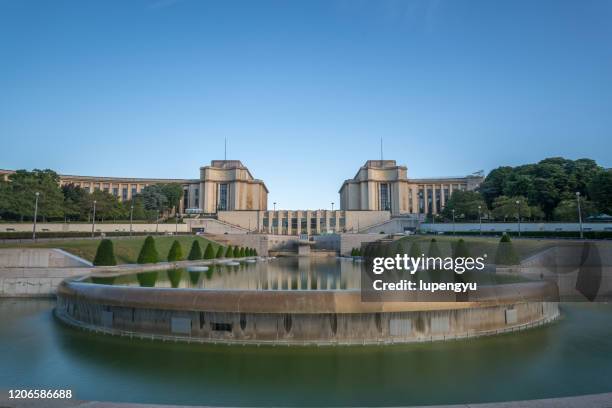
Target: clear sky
(303, 90)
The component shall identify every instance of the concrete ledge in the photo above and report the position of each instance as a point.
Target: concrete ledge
(584, 401)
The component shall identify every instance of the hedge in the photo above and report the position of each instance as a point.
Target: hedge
(105, 255)
(176, 252)
(148, 253)
(209, 252)
(195, 253)
(220, 252)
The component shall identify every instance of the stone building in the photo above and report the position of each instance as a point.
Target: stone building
(382, 185)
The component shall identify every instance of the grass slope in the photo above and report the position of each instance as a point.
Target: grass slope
(126, 249)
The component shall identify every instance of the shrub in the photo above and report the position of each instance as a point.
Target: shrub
(147, 279)
(174, 275)
(434, 250)
(241, 252)
(148, 253)
(461, 249)
(176, 252)
(415, 250)
(220, 252)
(194, 277)
(506, 254)
(353, 252)
(209, 253)
(195, 252)
(254, 252)
(230, 252)
(105, 255)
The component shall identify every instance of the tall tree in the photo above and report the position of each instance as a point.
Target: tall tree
(465, 204)
(600, 190)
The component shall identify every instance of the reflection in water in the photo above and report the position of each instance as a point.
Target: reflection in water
(295, 273)
(568, 358)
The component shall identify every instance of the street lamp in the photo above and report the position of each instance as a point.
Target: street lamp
(35, 215)
(274, 206)
(480, 218)
(579, 214)
(518, 216)
(453, 211)
(176, 224)
(332, 206)
(93, 219)
(131, 217)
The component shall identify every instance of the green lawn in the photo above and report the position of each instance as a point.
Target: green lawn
(481, 245)
(126, 249)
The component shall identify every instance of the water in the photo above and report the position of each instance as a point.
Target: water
(570, 357)
(291, 273)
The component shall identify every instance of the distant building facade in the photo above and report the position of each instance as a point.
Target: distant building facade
(227, 191)
(382, 185)
(224, 185)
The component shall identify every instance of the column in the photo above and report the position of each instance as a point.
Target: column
(434, 204)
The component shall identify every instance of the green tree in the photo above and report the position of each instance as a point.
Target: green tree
(220, 252)
(196, 252)
(75, 199)
(567, 210)
(209, 252)
(176, 252)
(173, 193)
(505, 208)
(105, 255)
(148, 252)
(230, 252)
(22, 188)
(108, 206)
(241, 252)
(600, 191)
(465, 204)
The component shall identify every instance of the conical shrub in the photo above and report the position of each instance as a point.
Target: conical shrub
(209, 253)
(176, 252)
(195, 253)
(230, 252)
(220, 252)
(105, 255)
(148, 252)
(506, 254)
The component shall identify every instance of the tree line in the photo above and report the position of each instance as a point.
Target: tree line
(72, 203)
(544, 191)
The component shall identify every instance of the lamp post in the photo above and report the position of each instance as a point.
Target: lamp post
(453, 211)
(480, 218)
(332, 206)
(35, 215)
(93, 220)
(157, 223)
(274, 206)
(518, 216)
(579, 214)
(131, 217)
(176, 224)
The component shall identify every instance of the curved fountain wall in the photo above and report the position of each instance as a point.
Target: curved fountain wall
(298, 317)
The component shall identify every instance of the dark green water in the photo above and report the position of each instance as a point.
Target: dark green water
(570, 357)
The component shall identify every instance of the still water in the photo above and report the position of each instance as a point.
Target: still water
(291, 273)
(570, 357)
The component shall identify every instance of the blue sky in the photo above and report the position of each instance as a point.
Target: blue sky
(303, 91)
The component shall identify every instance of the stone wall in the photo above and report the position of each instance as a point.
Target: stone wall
(304, 328)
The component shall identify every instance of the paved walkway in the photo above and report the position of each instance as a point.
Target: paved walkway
(585, 401)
